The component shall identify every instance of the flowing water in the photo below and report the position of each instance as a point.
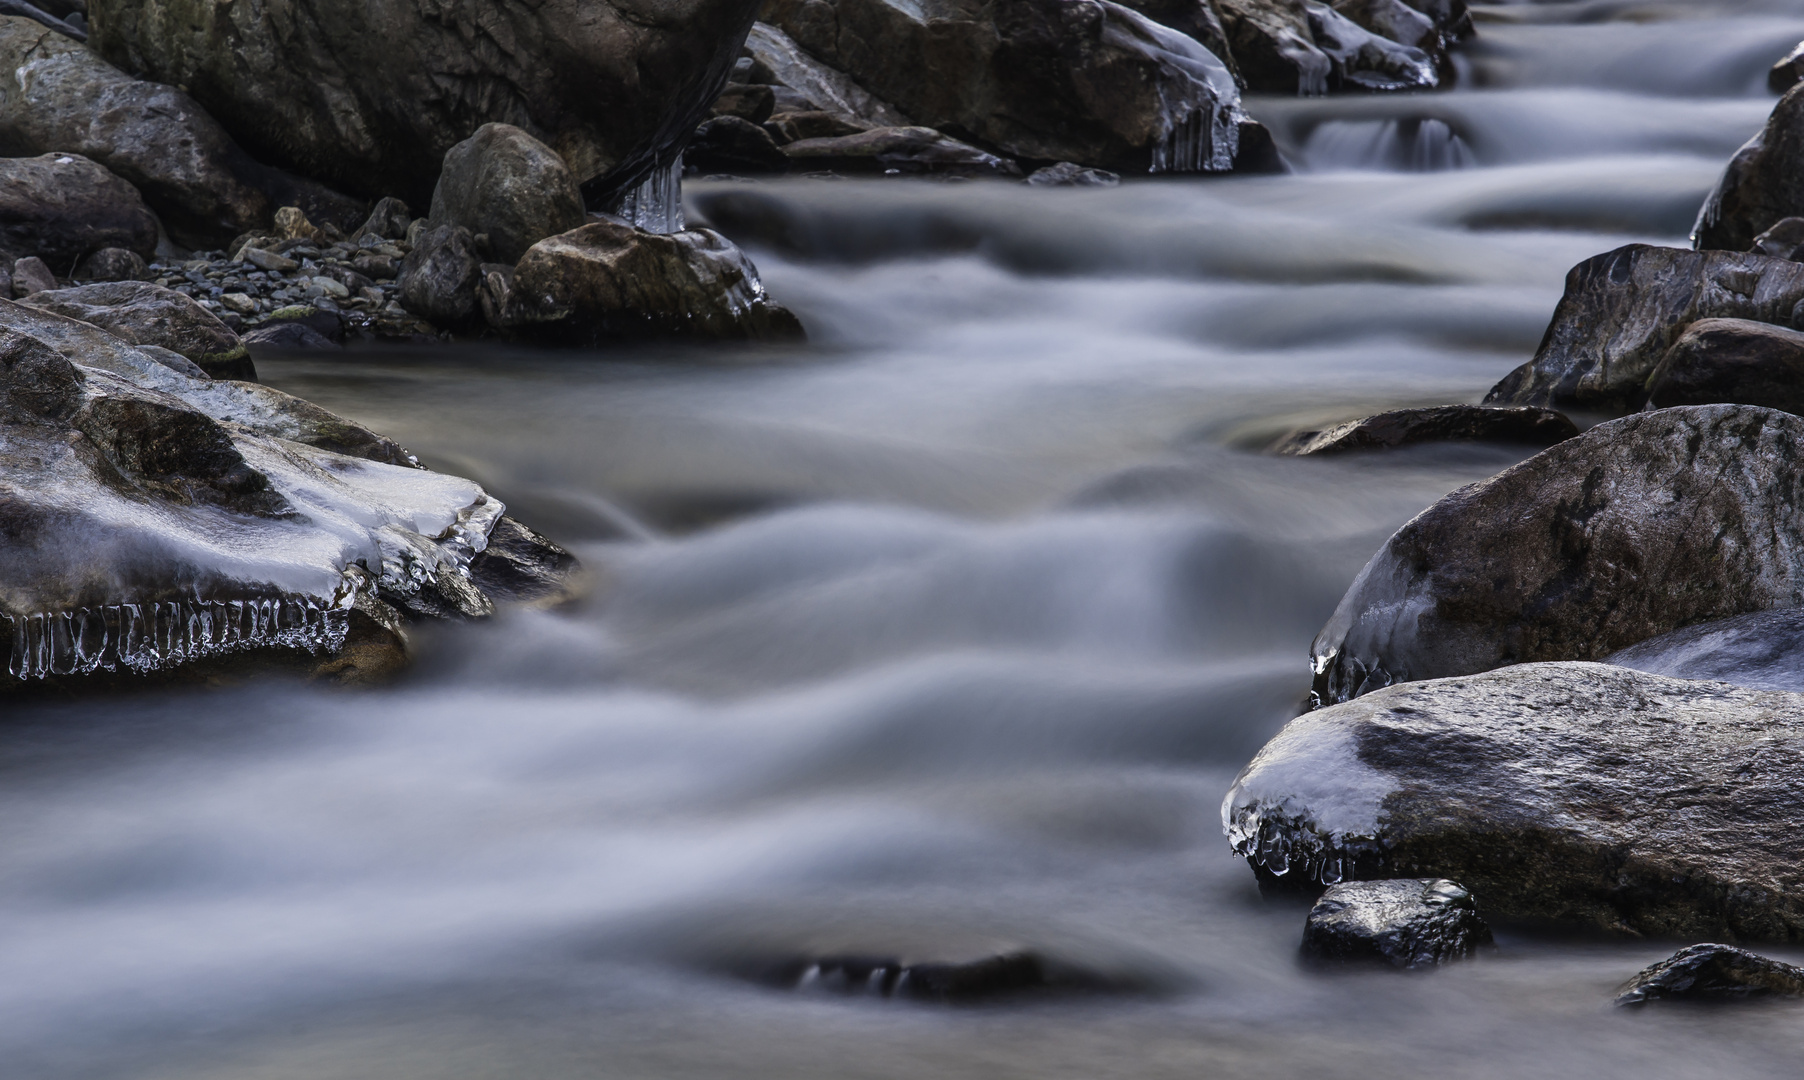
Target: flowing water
(939, 636)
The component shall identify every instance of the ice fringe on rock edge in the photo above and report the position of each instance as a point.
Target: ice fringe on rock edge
(148, 637)
(1199, 124)
(657, 204)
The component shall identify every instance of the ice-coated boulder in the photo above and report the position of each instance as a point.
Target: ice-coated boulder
(821, 87)
(1087, 81)
(1623, 310)
(1403, 922)
(607, 281)
(60, 207)
(370, 94)
(1731, 360)
(1302, 47)
(1763, 182)
(1575, 792)
(1763, 650)
(1712, 972)
(1440, 423)
(147, 314)
(504, 184)
(1637, 527)
(58, 97)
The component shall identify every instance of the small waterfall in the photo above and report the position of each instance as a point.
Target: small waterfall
(148, 637)
(1410, 144)
(657, 204)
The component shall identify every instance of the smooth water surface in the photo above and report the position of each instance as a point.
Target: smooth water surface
(942, 635)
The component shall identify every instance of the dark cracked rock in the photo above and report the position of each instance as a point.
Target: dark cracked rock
(1639, 526)
(1405, 922)
(1624, 309)
(1441, 423)
(1713, 973)
(1574, 792)
(60, 207)
(1736, 361)
(147, 314)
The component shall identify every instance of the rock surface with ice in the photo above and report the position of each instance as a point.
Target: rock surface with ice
(1403, 922)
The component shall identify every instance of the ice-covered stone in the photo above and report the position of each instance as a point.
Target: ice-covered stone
(1403, 922)
(1761, 651)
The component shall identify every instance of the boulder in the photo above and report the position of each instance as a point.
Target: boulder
(1784, 239)
(1731, 360)
(1637, 527)
(388, 220)
(369, 96)
(1405, 922)
(607, 281)
(112, 264)
(440, 276)
(1047, 80)
(1519, 424)
(1787, 71)
(1763, 650)
(201, 184)
(891, 151)
(1394, 20)
(1572, 792)
(1623, 310)
(30, 275)
(1274, 48)
(1302, 47)
(1363, 60)
(1713, 973)
(738, 147)
(507, 185)
(1071, 174)
(147, 314)
(61, 207)
(746, 101)
(779, 59)
(1763, 182)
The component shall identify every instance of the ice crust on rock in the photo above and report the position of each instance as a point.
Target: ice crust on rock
(657, 204)
(1306, 803)
(1201, 119)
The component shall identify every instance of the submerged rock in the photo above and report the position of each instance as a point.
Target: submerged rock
(61, 207)
(1713, 973)
(1637, 527)
(607, 281)
(202, 185)
(1005, 975)
(1763, 182)
(1731, 360)
(1441, 423)
(1623, 310)
(370, 96)
(1406, 923)
(912, 150)
(1095, 83)
(504, 184)
(146, 314)
(1575, 792)
(1763, 650)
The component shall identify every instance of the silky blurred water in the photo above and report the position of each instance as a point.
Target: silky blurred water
(940, 635)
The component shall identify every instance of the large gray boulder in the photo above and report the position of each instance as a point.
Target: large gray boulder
(507, 185)
(370, 94)
(147, 314)
(61, 207)
(1639, 526)
(202, 185)
(1047, 80)
(1763, 182)
(1624, 309)
(1575, 792)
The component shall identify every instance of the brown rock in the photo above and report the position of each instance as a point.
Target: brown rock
(746, 101)
(814, 124)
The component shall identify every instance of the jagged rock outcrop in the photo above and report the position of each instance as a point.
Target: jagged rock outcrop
(1637, 527)
(61, 207)
(1713, 972)
(508, 186)
(1761, 651)
(1043, 80)
(147, 314)
(1624, 309)
(1763, 182)
(370, 94)
(1403, 922)
(1575, 792)
(607, 281)
(1441, 423)
(1731, 360)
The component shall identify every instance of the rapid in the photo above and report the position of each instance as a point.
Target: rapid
(941, 635)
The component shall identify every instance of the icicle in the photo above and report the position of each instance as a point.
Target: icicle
(657, 204)
(1204, 141)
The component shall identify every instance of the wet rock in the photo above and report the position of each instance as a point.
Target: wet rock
(820, 87)
(1785, 74)
(371, 96)
(1731, 360)
(440, 276)
(388, 220)
(61, 207)
(30, 275)
(791, 127)
(1635, 528)
(1763, 182)
(1713, 973)
(1195, 19)
(1273, 46)
(729, 144)
(606, 281)
(910, 150)
(747, 102)
(1003, 976)
(1362, 60)
(1623, 310)
(202, 185)
(1574, 792)
(1394, 20)
(1094, 83)
(1071, 174)
(1782, 241)
(147, 314)
(519, 566)
(1301, 47)
(1442, 423)
(1761, 651)
(507, 185)
(112, 264)
(1406, 923)
(275, 337)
